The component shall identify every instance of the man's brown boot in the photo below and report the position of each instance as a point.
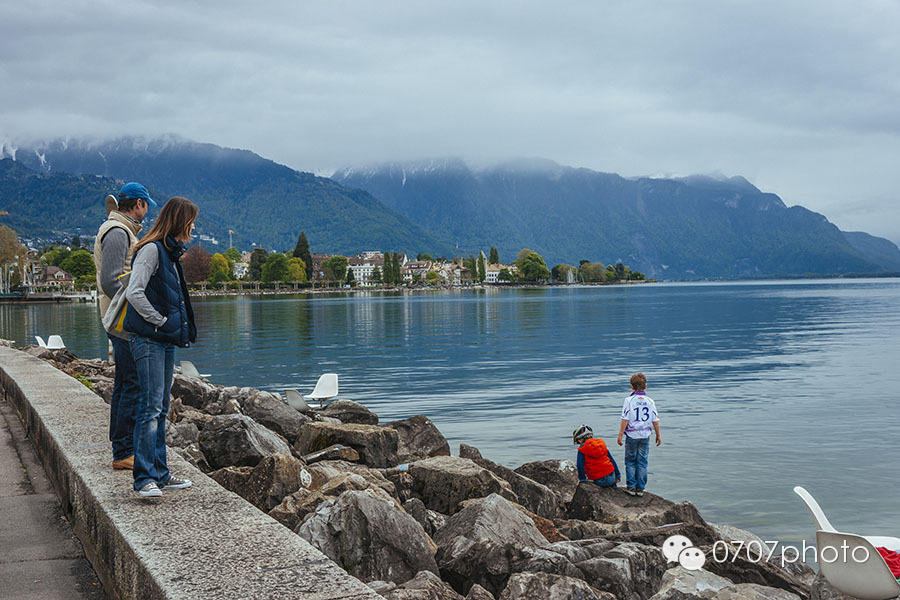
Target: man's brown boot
(125, 463)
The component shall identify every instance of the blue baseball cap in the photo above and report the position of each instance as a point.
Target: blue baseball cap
(136, 190)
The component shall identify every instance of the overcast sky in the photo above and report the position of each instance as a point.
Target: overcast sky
(802, 98)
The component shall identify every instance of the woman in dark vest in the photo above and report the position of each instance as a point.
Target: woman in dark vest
(159, 317)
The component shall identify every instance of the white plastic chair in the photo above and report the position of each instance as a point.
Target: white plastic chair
(864, 575)
(54, 342)
(296, 401)
(40, 341)
(326, 389)
(188, 369)
(855, 567)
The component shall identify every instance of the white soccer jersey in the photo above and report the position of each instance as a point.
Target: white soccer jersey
(640, 411)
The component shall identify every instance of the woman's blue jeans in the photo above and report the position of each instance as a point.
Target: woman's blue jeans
(636, 453)
(155, 364)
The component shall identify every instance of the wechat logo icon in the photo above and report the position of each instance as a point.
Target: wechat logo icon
(678, 548)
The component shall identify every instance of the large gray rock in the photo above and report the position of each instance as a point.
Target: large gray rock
(481, 543)
(194, 391)
(737, 566)
(326, 470)
(377, 446)
(182, 435)
(442, 482)
(547, 586)
(348, 411)
(534, 496)
(294, 508)
(370, 537)
(418, 439)
(272, 479)
(238, 440)
(430, 520)
(269, 410)
(628, 570)
(613, 506)
(679, 583)
(561, 476)
(194, 455)
(424, 586)
(476, 592)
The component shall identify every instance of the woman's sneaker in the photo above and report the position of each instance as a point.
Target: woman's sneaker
(638, 492)
(151, 490)
(631, 491)
(176, 483)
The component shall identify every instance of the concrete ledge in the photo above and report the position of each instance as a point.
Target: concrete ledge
(204, 542)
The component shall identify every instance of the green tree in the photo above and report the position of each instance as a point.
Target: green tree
(494, 257)
(219, 269)
(395, 267)
(423, 256)
(376, 275)
(349, 280)
(481, 273)
(257, 258)
(76, 242)
(301, 251)
(561, 272)
(297, 270)
(233, 256)
(55, 256)
(469, 263)
(11, 253)
(276, 268)
(388, 275)
(505, 275)
(335, 268)
(594, 272)
(79, 263)
(610, 273)
(432, 277)
(532, 268)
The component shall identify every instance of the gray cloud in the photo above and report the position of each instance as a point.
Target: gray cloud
(799, 97)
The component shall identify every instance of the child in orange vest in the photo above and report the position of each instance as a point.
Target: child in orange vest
(595, 462)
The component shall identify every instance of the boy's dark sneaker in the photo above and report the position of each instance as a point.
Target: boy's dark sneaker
(638, 492)
(176, 483)
(631, 491)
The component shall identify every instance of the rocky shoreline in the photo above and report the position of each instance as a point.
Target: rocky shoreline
(391, 505)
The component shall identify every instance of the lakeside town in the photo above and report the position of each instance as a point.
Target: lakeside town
(63, 268)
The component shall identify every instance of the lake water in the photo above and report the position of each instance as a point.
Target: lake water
(760, 386)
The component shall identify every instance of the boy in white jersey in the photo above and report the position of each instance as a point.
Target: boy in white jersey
(639, 419)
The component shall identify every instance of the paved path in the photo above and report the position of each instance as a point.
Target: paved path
(40, 557)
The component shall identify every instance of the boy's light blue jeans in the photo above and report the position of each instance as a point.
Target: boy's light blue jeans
(155, 363)
(637, 452)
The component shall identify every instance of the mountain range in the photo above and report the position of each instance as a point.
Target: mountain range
(686, 228)
(675, 228)
(261, 201)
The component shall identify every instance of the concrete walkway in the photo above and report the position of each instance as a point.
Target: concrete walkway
(40, 557)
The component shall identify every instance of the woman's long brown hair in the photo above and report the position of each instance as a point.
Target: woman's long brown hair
(174, 219)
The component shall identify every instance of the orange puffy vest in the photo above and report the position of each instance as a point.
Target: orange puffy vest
(596, 460)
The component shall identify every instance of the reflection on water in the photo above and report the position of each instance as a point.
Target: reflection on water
(760, 386)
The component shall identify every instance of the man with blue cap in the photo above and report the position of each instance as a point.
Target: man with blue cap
(112, 256)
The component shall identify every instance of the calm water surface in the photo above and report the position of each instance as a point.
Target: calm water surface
(760, 386)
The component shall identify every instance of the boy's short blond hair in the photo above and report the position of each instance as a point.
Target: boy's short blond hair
(639, 382)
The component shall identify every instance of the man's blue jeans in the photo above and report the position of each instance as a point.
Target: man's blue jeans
(636, 453)
(125, 397)
(155, 362)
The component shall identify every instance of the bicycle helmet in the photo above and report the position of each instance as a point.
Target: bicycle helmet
(582, 432)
